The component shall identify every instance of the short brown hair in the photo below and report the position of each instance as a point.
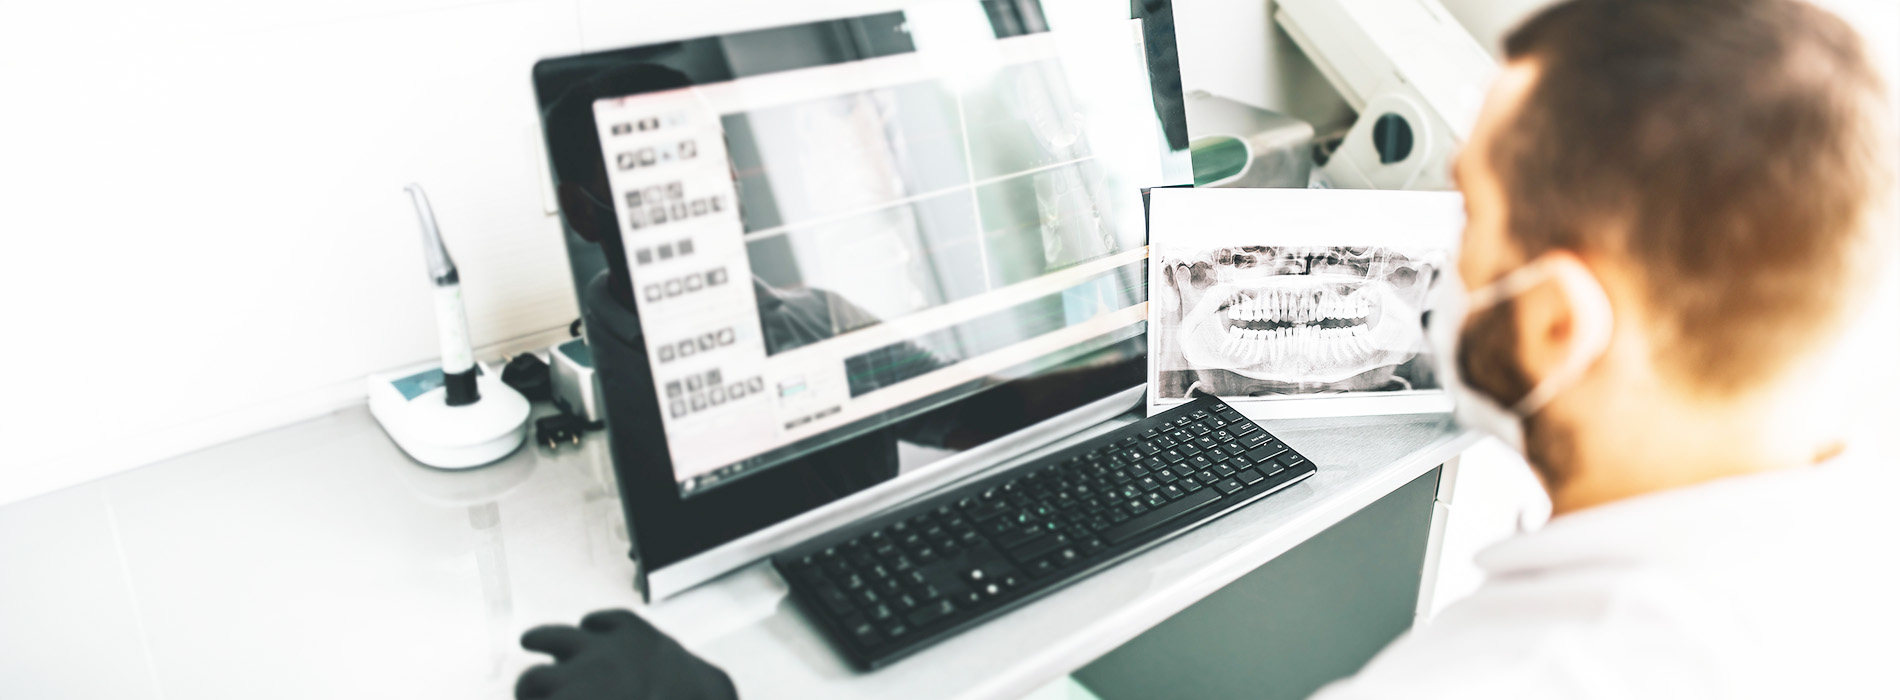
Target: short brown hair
(1735, 150)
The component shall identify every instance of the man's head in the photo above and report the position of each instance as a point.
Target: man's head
(1718, 166)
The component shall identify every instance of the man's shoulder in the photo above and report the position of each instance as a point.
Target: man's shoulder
(1541, 638)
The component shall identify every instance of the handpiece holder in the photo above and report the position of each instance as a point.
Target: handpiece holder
(413, 408)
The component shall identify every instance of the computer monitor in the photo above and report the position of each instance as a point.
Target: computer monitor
(820, 262)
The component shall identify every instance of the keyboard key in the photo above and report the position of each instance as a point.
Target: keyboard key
(1159, 516)
(1289, 459)
(833, 599)
(1038, 548)
(989, 509)
(1018, 537)
(1242, 427)
(1228, 486)
(930, 613)
(864, 633)
(1189, 485)
(1172, 491)
(1250, 477)
(1255, 439)
(1265, 452)
(1040, 568)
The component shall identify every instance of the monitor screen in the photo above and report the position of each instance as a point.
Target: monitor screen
(854, 228)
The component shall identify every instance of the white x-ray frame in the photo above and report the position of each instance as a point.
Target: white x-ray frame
(1306, 378)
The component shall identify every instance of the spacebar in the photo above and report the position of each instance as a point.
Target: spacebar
(1160, 516)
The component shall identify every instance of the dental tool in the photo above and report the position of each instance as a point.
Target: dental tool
(455, 414)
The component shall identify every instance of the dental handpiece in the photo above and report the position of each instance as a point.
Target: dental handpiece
(451, 320)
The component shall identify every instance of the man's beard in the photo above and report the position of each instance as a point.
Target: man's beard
(1487, 359)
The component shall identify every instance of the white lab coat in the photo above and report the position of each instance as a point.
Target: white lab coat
(1780, 585)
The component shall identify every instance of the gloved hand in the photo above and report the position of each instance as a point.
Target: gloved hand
(615, 655)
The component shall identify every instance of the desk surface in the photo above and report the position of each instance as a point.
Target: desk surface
(317, 561)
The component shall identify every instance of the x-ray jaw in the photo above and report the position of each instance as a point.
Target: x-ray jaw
(1280, 319)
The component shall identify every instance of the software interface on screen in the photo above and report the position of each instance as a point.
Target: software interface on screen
(819, 252)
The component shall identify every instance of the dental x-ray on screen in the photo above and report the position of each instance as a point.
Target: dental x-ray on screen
(1292, 303)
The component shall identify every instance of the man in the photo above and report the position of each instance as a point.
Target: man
(1716, 170)
(1676, 210)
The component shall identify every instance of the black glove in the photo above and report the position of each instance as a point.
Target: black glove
(615, 655)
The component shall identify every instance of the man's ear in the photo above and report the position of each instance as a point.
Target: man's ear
(1547, 320)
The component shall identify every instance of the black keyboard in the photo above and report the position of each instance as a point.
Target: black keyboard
(903, 580)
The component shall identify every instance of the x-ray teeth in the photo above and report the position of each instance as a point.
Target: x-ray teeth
(1263, 320)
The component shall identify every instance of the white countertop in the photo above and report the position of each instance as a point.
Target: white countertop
(318, 561)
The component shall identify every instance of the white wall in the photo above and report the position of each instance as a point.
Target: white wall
(1232, 48)
(204, 231)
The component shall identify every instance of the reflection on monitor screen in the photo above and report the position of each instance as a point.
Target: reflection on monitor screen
(821, 252)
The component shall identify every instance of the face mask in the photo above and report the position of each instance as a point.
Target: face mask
(1478, 411)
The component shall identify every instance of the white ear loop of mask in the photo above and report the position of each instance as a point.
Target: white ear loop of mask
(1594, 321)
